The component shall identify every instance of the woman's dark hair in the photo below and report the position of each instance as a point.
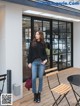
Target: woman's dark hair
(41, 38)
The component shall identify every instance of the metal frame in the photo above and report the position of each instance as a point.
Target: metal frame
(76, 94)
(60, 97)
(2, 79)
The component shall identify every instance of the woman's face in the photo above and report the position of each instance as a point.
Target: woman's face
(37, 36)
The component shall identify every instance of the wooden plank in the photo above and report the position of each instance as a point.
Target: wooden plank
(46, 96)
(61, 89)
(51, 69)
(52, 73)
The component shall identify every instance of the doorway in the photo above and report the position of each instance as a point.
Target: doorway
(58, 36)
(62, 42)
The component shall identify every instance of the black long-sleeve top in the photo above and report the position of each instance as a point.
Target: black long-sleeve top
(37, 51)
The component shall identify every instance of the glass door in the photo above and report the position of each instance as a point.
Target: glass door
(55, 37)
(26, 43)
(58, 39)
(61, 44)
(44, 26)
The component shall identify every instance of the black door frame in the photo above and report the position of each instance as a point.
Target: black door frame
(50, 20)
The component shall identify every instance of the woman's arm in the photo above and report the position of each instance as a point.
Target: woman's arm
(30, 56)
(45, 61)
(45, 56)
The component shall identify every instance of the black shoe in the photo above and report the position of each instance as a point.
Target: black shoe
(38, 97)
(35, 97)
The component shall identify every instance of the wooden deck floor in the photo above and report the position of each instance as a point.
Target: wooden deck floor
(46, 97)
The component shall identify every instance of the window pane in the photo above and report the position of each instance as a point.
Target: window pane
(46, 26)
(55, 58)
(68, 48)
(26, 28)
(55, 44)
(62, 26)
(68, 45)
(62, 65)
(26, 22)
(69, 64)
(69, 57)
(62, 35)
(62, 45)
(68, 35)
(62, 58)
(37, 25)
(55, 27)
(68, 27)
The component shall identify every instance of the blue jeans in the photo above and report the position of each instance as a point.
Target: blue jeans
(37, 70)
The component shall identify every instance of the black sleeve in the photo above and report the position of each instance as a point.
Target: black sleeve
(30, 54)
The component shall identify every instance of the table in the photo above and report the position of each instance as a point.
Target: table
(75, 80)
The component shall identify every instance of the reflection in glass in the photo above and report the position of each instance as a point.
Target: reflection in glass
(68, 27)
(44, 35)
(62, 45)
(69, 64)
(37, 25)
(62, 58)
(62, 35)
(26, 26)
(55, 60)
(54, 36)
(68, 41)
(55, 51)
(68, 48)
(62, 26)
(62, 65)
(26, 22)
(55, 44)
(68, 35)
(46, 26)
(68, 45)
(55, 27)
(69, 57)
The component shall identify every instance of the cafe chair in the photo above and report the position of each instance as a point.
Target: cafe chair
(61, 89)
(2, 80)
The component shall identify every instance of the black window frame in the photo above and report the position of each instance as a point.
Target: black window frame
(51, 20)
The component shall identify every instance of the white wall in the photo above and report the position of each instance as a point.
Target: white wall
(11, 43)
(76, 45)
(2, 39)
(2, 43)
(13, 32)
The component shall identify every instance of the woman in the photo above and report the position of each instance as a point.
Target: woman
(37, 59)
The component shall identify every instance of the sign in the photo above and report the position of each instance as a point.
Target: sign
(58, 3)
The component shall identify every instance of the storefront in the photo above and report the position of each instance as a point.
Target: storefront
(61, 28)
(58, 35)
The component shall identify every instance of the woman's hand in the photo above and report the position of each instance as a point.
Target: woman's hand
(44, 62)
(29, 65)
